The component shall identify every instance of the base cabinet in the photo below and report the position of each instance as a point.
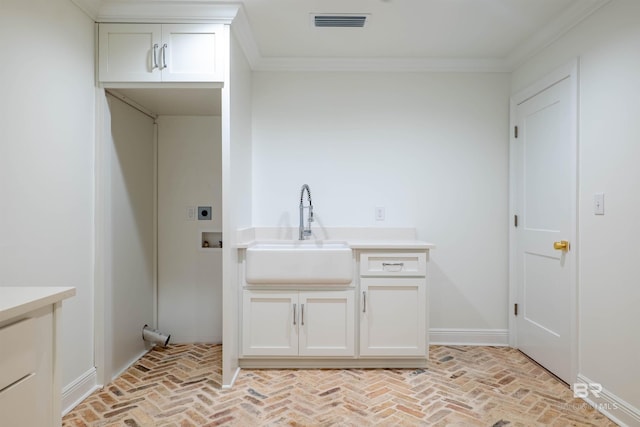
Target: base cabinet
(380, 322)
(298, 323)
(393, 317)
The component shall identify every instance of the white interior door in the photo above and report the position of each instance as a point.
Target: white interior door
(545, 172)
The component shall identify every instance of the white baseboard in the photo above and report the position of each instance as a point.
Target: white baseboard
(233, 380)
(86, 384)
(121, 370)
(607, 403)
(446, 336)
(79, 390)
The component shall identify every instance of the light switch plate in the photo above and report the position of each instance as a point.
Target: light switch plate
(191, 213)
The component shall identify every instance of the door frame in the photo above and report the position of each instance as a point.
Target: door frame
(569, 71)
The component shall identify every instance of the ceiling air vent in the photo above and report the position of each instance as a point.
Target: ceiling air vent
(339, 21)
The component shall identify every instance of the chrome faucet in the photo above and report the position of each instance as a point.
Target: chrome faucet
(305, 233)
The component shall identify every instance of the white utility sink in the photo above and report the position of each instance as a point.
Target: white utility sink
(299, 262)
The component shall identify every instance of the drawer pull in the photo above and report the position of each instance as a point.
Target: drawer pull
(396, 266)
(302, 314)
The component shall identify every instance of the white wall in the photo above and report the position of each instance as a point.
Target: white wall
(130, 254)
(432, 148)
(189, 277)
(237, 174)
(608, 44)
(46, 161)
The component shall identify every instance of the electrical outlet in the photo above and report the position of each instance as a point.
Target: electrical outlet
(598, 204)
(379, 213)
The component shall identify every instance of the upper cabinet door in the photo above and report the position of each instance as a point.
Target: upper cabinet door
(161, 53)
(192, 53)
(130, 52)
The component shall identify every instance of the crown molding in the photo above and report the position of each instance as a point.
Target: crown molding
(383, 64)
(244, 34)
(167, 11)
(89, 7)
(553, 31)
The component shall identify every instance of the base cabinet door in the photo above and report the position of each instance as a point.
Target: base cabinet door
(393, 317)
(282, 323)
(269, 323)
(326, 324)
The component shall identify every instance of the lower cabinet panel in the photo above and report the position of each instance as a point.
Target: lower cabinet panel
(281, 323)
(327, 324)
(393, 317)
(269, 323)
(18, 406)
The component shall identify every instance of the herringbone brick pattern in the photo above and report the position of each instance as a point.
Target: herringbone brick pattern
(463, 386)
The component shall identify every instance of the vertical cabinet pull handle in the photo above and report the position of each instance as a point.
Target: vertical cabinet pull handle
(294, 314)
(164, 56)
(364, 301)
(155, 56)
(302, 314)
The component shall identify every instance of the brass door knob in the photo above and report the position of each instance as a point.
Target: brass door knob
(562, 245)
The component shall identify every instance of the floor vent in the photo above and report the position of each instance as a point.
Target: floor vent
(339, 21)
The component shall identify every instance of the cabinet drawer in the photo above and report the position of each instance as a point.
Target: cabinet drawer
(393, 264)
(19, 404)
(17, 351)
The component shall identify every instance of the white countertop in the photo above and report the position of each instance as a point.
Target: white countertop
(357, 244)
(390, 244)
(354, 237)
(18, 300)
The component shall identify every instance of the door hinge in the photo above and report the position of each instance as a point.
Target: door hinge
(515, 131)
(515, 221)
(515, 309)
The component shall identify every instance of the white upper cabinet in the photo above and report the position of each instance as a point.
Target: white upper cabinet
(161, 53)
